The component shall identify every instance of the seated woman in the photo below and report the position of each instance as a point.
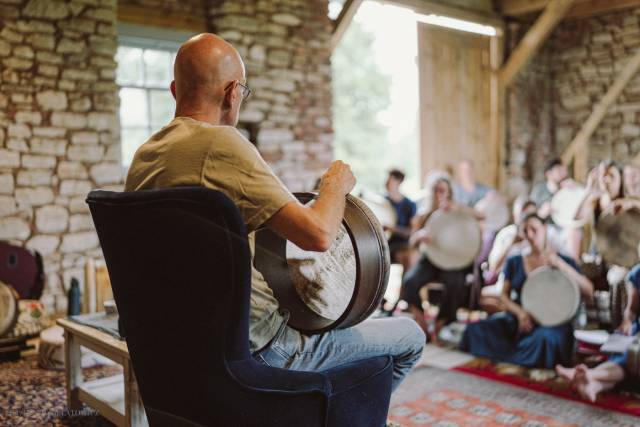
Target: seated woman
(590, 382)
(513, 336)
(425, 272)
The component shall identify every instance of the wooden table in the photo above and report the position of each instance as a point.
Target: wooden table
(117, 397)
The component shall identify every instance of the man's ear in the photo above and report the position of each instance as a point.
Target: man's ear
(229, 96)
(172, 87)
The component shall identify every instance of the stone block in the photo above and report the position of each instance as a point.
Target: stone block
(32, 117)
(56, 147)
(7, 206)
(41, 41)
(86, 153)
(49, 132)
(286, 19)
(38, 162)
(52, 219)
(275, 135)
(79, 242)
(18, 63)
(35, 177)
(13, 228)
(67, 45)
(19, 130)
(75, 187)
(9, 159)
(72, 170)
(107, 173)
(23, 52)
(43, 244)
(7, 183)
(18, 144)
(78, 205)
(102, 121)
(47, 9)
(68, 120)
(80, 222)
(36, 196)
(85, 138)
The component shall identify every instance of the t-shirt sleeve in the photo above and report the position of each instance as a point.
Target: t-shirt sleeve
(239, 170)
(634, 277)
(413, 208)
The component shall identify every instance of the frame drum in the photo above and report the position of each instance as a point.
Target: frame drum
(550, 296)
(495, 211)
(8, 309)
(618, 235)
(456, 240)
(338, 288)
(564, 207)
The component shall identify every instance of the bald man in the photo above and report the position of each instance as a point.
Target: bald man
(202, 147)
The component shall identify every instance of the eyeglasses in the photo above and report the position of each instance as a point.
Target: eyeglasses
(246, 91)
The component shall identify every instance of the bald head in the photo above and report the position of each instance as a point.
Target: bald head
(206, 72)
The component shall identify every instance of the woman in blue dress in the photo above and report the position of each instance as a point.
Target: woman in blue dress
(590, 382)
(512, 336)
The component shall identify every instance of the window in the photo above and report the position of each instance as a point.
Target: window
(145, 69)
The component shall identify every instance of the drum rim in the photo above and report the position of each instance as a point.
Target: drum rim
(574, 286)
(428, 249)
(303, 318)
(14, 317)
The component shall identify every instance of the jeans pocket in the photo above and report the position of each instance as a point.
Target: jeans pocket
(271, 357)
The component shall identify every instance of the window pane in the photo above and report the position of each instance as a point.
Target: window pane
(158, 70)
(129, 61)
(133, 107)
(132, 138)
(162, 108)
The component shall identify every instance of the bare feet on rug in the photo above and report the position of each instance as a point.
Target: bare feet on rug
(582, 381)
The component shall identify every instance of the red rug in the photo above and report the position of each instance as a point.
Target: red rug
(453, 408)
(545, 381)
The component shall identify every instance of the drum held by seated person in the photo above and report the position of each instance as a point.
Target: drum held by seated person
(550, 296)
(338, 288)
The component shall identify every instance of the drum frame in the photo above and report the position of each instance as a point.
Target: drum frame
(271, 255)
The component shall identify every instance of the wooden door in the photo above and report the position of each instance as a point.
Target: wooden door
(455, 102)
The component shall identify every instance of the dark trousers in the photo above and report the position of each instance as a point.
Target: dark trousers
(454, 294)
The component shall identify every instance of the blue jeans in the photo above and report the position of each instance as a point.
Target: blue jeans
(399, 337)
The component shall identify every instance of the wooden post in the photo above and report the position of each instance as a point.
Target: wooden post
(498, 101)
(134, 414)
(535, 37)
(578, 146)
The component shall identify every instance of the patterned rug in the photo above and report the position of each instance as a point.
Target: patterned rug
(626, 400)
(435, 397)
(31, 396)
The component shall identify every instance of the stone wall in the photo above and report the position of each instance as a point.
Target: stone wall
(59, 130)
(556, 92)
(186, 7)
(285, 44)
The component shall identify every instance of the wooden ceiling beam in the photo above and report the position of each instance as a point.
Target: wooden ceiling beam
(343, 20)
(581, 8)
(531, 42)
(601, 108)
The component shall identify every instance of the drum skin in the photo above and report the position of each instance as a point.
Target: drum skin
(618, 236)
(495, 211)
(564, 207)
(456, 240)
(550, 296)
(372, 270)
(8, 309)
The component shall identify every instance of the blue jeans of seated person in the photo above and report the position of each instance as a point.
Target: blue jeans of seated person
(401, 338)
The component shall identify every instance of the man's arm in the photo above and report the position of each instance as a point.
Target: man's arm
(315, 227)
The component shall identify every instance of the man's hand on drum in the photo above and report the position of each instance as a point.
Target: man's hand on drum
(421, 236)
(338, 177)
(525, 322)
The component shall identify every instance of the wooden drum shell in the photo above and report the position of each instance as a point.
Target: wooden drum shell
(372, 269)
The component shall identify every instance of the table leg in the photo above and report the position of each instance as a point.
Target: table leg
(133, 410)
(73, 371)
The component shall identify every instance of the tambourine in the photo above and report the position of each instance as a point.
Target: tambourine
(565, 205)
(338, 288)
(495, 211)
(550, 296)
(456, 239)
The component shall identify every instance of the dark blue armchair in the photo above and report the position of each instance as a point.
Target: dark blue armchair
(179, 264)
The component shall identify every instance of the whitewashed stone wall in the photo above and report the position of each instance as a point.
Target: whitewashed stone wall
(557, 91)
(285, 44)
(59, 130)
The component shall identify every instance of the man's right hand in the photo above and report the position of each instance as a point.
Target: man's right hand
(338, 178)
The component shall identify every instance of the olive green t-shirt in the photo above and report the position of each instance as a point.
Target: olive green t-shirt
(188, 152)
